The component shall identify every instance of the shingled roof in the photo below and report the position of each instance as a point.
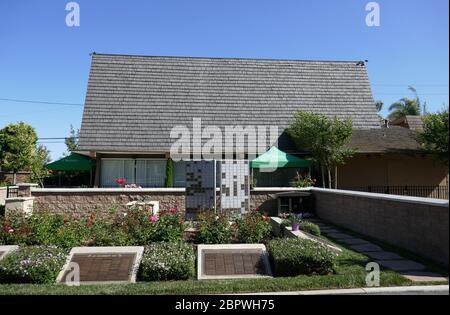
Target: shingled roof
(132, 102)
(385, 140)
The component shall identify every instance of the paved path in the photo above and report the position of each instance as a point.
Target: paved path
(411, 270)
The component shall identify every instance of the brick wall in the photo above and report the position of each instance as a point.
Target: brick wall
(21, 177)
(417, 224)
(79, 201)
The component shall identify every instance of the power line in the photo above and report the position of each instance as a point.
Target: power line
(40, 102)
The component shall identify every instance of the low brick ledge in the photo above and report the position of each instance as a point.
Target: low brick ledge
(407, 199)
(108, 190)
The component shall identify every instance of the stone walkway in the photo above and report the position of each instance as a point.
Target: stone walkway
(409, 269)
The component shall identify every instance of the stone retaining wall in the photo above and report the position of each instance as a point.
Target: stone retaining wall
(419, 225)
(79, 201)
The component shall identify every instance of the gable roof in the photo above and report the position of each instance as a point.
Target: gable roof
(409, 121)
(385, 140)
(132, 102)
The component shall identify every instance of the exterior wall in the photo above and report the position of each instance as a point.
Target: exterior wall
(392, 170)
(2, 196)
(419, 225)
(79, 201)
(21, 177)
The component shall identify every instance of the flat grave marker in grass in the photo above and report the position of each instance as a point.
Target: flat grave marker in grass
(99, 265)
(232, 261)
(7, 249)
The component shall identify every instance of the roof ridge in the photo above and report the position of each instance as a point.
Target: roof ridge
(224, 58)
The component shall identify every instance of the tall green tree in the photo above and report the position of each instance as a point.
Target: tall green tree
(18, 147)
(72, 140)
(326, 139)
(169, 174)
(435, 134)
(38, 170)
(406, 106)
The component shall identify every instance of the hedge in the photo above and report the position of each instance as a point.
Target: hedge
(294, 256)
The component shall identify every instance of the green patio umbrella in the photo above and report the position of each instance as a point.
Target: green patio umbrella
(275, 158)
(73, 162)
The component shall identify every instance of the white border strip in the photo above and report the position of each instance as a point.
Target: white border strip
(416, 200)
(427, 289)
(138, 250)
(262, 247)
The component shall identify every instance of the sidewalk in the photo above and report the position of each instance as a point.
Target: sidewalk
(411, 290)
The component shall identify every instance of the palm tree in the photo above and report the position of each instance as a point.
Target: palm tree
(405, 106)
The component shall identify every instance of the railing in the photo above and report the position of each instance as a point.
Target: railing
(438, 192)
(12, 191)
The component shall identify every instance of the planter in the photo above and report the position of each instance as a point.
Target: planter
(295, 226)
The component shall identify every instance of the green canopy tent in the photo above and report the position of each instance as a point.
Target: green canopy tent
(73, 163)
(275, 158)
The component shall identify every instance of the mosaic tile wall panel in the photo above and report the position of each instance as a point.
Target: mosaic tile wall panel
(200, 186)
(235, 185)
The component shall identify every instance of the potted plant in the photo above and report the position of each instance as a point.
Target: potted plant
(295, 220)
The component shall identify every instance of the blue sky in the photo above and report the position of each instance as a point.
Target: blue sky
(43, 59)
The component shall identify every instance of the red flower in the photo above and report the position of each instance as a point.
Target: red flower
(152, 218)
(66, 221)
(173, 210)
(121, 181)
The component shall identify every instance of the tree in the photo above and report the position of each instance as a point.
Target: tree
(326, 139)
(405, 106)
(72, 141)
(434, 136)
(38, 170)
(169, 174)
(18, 144)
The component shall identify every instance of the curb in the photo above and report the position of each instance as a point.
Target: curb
(363, 291)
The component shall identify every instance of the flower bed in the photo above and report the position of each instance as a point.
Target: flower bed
(293, 256)
(35, 264)
(167, 261)
(136, 227)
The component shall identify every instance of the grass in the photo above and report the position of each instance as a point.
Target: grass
(350, 273)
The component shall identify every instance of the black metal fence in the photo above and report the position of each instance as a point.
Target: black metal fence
(439, 192)
(12, 191)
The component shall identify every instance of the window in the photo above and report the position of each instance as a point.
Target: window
(150, 173)
(117, 168)
(179, 174)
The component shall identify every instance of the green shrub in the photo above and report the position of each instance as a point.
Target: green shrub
(310, 228)
(213, 228)
(293, 256)
(253, 228)
(136, 227)
(2, 210)
(167, 261)
(34, 264)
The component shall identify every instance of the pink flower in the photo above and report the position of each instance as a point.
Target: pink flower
(121, 181)
(152, 218)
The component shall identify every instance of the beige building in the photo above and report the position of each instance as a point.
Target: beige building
(390, 160)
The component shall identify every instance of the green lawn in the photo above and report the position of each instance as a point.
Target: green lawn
(350, 273)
